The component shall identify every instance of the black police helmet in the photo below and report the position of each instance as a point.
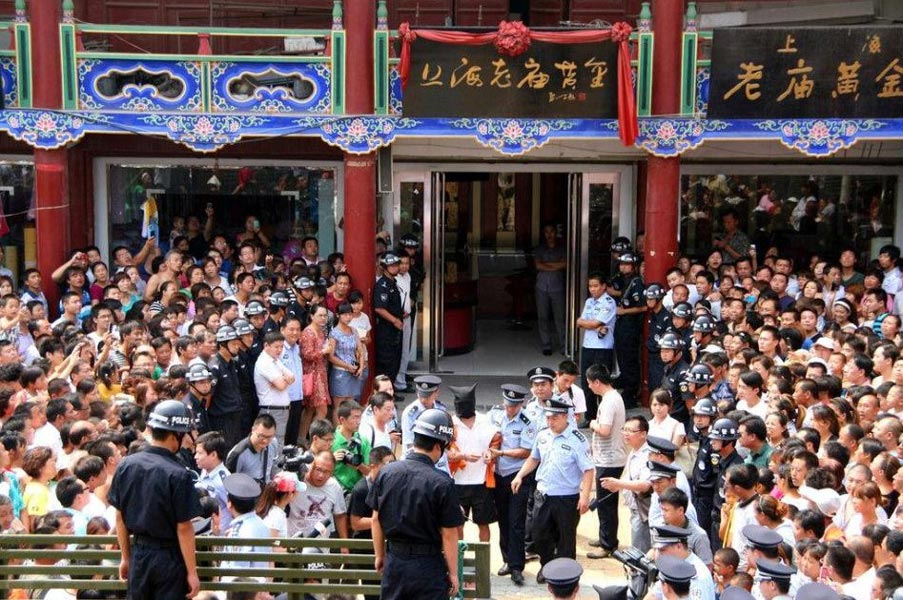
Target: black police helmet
(171, 415)
(436, 424)
(225, 333)
(255, 308)
(704, 324)
(279, 299)
(198, 372)
(671, 341)
(621, 244)
(654, 291)
(629, 258)
(699, 374)
(683, 310)
(725, 430)
(242, 327)
(704, 407)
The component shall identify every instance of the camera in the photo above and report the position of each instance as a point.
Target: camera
(352, 455)
(640, 569)
(293, 460)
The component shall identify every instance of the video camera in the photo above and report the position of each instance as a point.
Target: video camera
(640, 569)
(293, 460)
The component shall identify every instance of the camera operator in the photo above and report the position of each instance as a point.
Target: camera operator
(352, 454)
(324, 501)
(669, 541)
(254, 455)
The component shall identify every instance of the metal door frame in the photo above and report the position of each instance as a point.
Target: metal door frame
(431, 176)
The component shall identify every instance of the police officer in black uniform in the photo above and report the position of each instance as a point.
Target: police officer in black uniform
(723, 437)
(279, 302)
(658, 321)
(704, 329)
(681, 319)
(617, 283)
(155, 502)
(244, 364)
(705, 475)
(200, 390)
(256, 314)
(389, 314)
(631, 308)
(225, 410)
(416, 515)
(671, 347)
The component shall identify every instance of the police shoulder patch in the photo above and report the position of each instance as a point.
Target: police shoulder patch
(579, 436)
(524, 418)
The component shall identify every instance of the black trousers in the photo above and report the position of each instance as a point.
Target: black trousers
(387, 350)
(656, 370)
(229, 425)
(422, 577)
(627, 349)
(293, 425)
(589, 357)
(157, 573)
(512, 514)
(703, 504)
(607, 509)
(555, 526)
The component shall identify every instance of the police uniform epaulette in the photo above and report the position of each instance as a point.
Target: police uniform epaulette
(579, 436)
(525, 418)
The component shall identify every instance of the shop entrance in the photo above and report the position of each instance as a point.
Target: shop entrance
(479, 226)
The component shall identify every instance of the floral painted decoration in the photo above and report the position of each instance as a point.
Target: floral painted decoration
(513, 38)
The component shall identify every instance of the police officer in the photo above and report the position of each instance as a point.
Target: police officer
(681, 321)
(279, 302)
(704, 328)
(658, 322)
(303, 292)
(256, 314)
(671, 347)
(416, 515)
(242, 493)
(427, 389)
(675, 579)
(225, 411)
(157, 538)
(631, 308)
(695, 384)
(410, 245)
(542, 386)
(723, 437)
(244, 364)
(563, 578)
(670, 541)
(387, 308)
(619, 246)
(762, 544)
(200, 391)
(774, 579)
(564, 482)
(518, 435)
(705, 475)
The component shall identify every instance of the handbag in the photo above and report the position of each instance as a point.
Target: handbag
(307, 384)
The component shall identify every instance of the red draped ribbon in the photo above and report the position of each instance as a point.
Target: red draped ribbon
(628, 127)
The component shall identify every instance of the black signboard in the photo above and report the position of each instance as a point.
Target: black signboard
(568, 81)
(807, 72)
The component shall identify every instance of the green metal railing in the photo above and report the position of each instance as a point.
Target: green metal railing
(291, 571)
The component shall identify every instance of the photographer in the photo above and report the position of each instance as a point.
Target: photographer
(351, 452)
(322, 504)
(254, 455)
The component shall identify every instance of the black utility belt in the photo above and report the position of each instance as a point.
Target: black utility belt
(275, 407)
(543, 496)
(405, 549)
(145, 540)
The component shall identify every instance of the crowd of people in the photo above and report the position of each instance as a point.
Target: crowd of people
(770, 461)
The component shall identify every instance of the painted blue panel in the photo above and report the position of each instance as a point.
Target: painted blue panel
(144, 98)
(271, 100)
(10, 81)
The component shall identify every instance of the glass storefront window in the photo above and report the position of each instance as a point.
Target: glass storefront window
(290, 203)
(17, 224)
(799, 215)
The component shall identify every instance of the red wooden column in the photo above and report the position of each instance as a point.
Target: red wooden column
(663, 174)
(51, 166)
(360, 170)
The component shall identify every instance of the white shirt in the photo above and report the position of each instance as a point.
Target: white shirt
(743, 515)
(276, 519)
(577, 397)
(47, 435)
(267, 370)
(403, 281)
(609, 451)
(861, 587)
(368, 431)
(759, 410)
(473, 440)
(315, 505)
